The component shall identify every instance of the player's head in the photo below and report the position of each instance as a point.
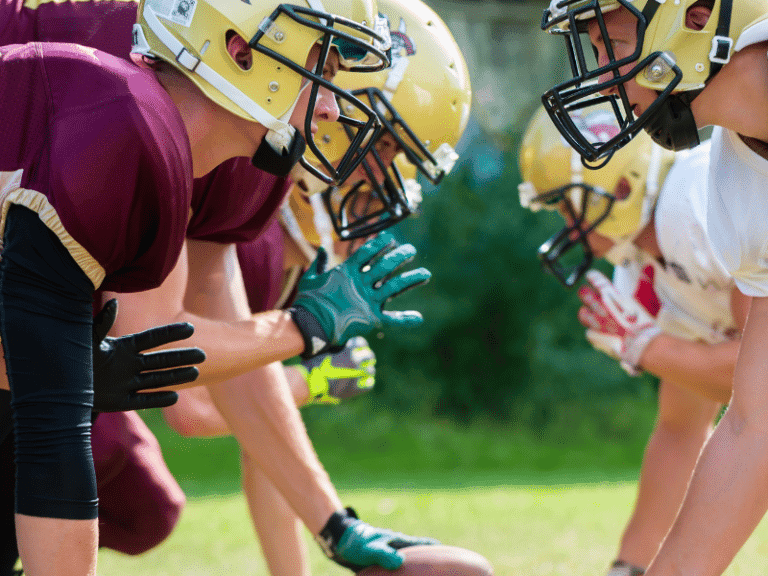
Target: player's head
(608, 206)
(196, 37)
(423, 101)
(648, 58)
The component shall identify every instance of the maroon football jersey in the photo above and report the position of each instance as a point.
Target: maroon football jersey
(234, 202)
(104, 25)
(95, 145)
(261, 262)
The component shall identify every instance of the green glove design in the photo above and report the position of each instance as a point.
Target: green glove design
(332, 378)
(333, 306)
(352, 543)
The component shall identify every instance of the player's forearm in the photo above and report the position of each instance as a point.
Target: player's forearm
(725, 501)
(231, 348)
(703, 368)
(263, 417)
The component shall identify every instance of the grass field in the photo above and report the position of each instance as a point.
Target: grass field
(532, 507)
(553, 530)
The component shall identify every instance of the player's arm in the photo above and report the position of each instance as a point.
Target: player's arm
(231, 348)
(732, 470)
(704, 368)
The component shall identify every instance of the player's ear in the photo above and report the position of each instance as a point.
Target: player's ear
(239, 50)
(698, 15)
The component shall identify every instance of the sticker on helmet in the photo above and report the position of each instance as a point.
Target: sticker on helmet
(179, 11)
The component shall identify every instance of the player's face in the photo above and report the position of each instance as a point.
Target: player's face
(387, 148)
(621, 26)
(599, 243)
(326, 108)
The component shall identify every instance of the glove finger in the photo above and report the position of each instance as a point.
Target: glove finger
(599, 280)
(588, 318)
(159, 335)
(384, 555)
(390, 263)
(402, 283)
(371, 249)
(402, 318)
(402, 541)
(152, 400)
(592, 300)
(163, 378)
(163, 359)
(104, 320)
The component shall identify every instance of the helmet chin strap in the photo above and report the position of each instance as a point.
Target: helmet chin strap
(673, 126)
(281, 150)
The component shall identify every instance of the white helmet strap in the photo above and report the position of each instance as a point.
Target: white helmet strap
(283, 130)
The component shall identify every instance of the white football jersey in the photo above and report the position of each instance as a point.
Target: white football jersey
(737, 211)
(693, 286)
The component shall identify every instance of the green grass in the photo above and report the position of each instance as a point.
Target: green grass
(535, 503)
(551, 530)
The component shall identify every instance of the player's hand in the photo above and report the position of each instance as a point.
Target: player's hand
(334, 377)
(352, 543)
(616, 324)
(334, 305)
(121, 370)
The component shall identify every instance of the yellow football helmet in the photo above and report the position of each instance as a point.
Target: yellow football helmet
(670, 58)
(192, 36)
(616, 201)
(423, 101)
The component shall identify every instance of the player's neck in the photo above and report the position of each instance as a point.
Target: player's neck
(215, 134)
(737, 97)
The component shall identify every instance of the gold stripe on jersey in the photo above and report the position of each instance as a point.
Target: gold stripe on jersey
(11, 192)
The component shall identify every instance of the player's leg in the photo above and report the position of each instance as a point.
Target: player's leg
(273, 518)
(46, 316)
(683, 426)
(258, 406)
(139, 499)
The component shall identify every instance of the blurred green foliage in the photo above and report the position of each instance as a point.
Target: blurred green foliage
(500, 338)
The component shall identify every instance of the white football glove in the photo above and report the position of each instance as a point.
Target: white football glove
(616, 324)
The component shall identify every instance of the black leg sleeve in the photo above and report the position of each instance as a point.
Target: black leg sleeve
(46, 317)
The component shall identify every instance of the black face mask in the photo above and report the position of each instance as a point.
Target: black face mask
(567, 254)
(269, 160)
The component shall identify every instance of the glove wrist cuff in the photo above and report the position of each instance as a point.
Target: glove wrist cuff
(330, 536)
(638, 345)
(315, 340)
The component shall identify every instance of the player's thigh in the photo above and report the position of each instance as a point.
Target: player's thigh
(681, 409)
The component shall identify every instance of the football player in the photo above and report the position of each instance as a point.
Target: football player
(671, 309)
(433, 65)
(673, 68)
(98, 195)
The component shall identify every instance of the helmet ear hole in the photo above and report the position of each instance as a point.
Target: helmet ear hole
(623, 189)
(697, 16)
(239, 50)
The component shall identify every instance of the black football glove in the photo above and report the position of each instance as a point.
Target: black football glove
(121, 370)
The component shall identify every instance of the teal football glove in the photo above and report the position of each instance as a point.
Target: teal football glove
(355, 545)
(333, 306)
(332, 378)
